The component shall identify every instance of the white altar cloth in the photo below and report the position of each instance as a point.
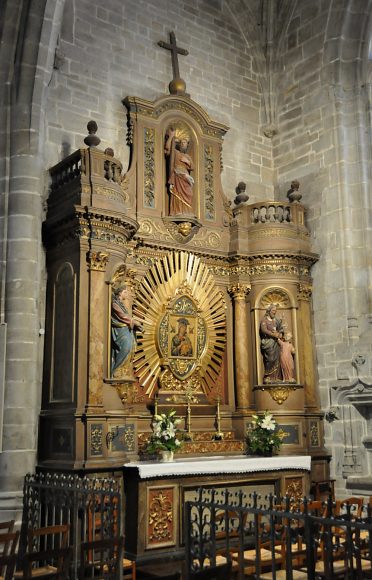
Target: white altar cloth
(221, 464)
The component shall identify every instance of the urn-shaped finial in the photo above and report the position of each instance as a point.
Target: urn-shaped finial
(92, 140)
(293, 193)
(241, 196)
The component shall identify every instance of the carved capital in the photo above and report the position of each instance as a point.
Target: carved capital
(98, 260)
(239, 291)
(305, 292)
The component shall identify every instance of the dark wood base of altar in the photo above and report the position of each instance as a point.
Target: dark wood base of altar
(155, 494)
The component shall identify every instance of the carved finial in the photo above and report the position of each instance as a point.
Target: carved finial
(92, 140)
(293, 194)
(109, 151)
(241, 196)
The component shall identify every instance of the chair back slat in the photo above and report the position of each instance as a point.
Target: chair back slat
(101, 559)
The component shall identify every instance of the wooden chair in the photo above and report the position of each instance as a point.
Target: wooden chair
(5, 528)
(355, 503)
(51, 563)
(44, 541)
(102, 559)
(321, 490)
(96, 526)
(9, 542)
(265, 553)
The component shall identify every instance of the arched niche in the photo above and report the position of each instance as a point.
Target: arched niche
(63, 335)
(146, 179)
(286, 312)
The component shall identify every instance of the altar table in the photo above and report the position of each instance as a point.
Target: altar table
(155, 494)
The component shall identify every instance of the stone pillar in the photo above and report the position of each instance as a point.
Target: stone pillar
(239, 293)
(306, 347)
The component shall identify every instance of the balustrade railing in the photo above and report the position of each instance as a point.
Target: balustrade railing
(277, 538)
(275, 212)
(68, 170)
(90, 163)
(91, 507)
(271, 213)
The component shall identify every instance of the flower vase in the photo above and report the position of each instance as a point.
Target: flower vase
(166, 456)
(264, 453)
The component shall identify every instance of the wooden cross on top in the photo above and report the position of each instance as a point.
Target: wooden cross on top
(177, 84)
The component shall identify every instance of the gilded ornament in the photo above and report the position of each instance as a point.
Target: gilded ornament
(128, 438)
(149, 168)
(210, 207)
(171, 383)
(96, 437)
(185, 228)
(278, 392)
(305, 292)
(98, 261)
(275, 296)
(185, 312)
(295, 490)
(128, 393)
(182, 229)
(314, 434)
(160, 516)
(239, 291)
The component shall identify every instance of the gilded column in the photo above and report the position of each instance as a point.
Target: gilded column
(97, 265)
(239, 293)
(306, 347)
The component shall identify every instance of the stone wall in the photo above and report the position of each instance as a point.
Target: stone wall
(323, 140)
(112, 52)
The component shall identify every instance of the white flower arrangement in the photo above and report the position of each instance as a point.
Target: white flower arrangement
(262, 437)
(164, 437)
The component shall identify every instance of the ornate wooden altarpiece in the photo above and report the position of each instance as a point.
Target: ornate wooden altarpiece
(215, 267)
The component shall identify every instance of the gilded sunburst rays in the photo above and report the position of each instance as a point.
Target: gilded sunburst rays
(177, 274)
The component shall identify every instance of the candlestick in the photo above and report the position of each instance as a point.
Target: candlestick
(188, 434)
(156, 404)
(218, 434)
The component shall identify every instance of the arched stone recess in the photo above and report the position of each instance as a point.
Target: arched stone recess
(350, 415)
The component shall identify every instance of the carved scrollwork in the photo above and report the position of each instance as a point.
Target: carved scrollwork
(160, 516)
(149, 168)
(210, 207)
(295, 490)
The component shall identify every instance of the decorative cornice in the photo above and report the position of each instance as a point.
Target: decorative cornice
(90, 224)
(154, 109)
